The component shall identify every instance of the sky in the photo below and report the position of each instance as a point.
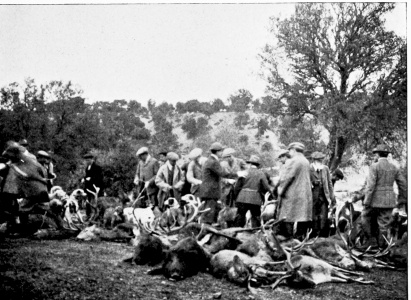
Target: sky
(164, 52)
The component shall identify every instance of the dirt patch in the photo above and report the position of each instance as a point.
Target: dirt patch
(31, 269)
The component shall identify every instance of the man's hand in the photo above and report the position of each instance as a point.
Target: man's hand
(82, 180)
(88, 178)
(146, 184)
(231, 181)
(136, 181)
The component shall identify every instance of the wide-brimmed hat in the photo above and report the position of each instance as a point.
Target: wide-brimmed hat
(283, 152)
(228, 152)
(216, 146)
(23, 142)
(141, 151)
(254, 159)
(381, 148)
(196, 152)
(317, 155)
(88, 155)
(44, 154)
(172, 156)
(296, 145)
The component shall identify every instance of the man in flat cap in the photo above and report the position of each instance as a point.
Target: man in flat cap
(231, 166)
(323, 194)
(147, 169)
(380, 198)
(93, 177)
(251, 190)
(194, 173)
(169, 179)
(210, 189)
(294, 192)
(45, 160)
(25, 145)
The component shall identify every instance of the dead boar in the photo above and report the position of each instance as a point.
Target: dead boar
(149, 250)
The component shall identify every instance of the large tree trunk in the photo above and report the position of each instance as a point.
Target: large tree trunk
(338, 145)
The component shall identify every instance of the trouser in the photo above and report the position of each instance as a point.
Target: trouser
(320, 219)
(242, 209)
(375, 222)
(210, 216)
(286, 229)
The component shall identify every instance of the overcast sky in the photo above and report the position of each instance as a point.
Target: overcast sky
(163, 52)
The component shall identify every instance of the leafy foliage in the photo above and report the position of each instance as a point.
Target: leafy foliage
(195, 128)
(240, 101)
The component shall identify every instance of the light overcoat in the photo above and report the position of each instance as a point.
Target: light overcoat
(379, 191)
(294, 190)
(147, 171)
(161, 181)
(194, 176)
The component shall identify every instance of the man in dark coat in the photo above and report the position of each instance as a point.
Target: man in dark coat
(251, 190)
(380, 198)
(323, 194)
(93, 177)
(210, 189)
(294, 192)
(146, 172)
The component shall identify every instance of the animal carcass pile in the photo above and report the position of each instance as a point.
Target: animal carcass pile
(250, 257)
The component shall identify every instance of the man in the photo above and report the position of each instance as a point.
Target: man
(380, 198)
(93, 177)
(294, 192)
(25, 145)
(194, 173)
(231, 166)
(283, 156)
(169, 179)
(162, 157)
(251, 190)
(323, 194)
(147, 169)
(210, 189)
(45, 160)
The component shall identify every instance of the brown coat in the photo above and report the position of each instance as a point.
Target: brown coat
(161, 181)
(212, 173)
(380, 185)
(253, 187)
(147, 171)
(294, 190)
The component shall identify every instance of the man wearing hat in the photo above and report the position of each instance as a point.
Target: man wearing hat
(294, 192)
(93, 177)
(25, 145)
(169, 179)
(251, 190)
(194, 174)
(45, 160)
(231, 166)
(162, 157)
(210, 189)
(147, 168)
(380, 198)
(323, 194)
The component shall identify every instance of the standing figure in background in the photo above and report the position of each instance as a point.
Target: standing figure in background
(231, 166)
(45, 160)
(162, 157)
(170, 180)
(323, 194)
(251, 190)
(194, 173)
(380, 198)
(147, 168)
(210, 189)
(93, 177)
(294, 192)
(23, 143)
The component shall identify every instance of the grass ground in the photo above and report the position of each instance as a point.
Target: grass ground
(68, 269)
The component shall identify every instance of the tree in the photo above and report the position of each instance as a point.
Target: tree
(240, 100)
(332, 54)
(195, 128)
(241, 120)
(217, 105)
(164, 138)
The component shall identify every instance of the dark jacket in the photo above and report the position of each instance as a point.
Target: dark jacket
(95, 174)
(380, 185)
(323, 181)
(211, 174)
(252, 188)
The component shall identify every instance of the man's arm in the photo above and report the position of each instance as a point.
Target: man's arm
(402, 188)
(371, 183)
(287, 177)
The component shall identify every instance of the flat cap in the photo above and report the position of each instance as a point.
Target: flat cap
(196, 152)
(23, 142)
(142, 150)
(228, 151)
(381, 148)
(317, 155)
(88, 155)
(216, 146)
(172, 156)
(254, 159)
(283, 152)
(42, 153)
(296, 145)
